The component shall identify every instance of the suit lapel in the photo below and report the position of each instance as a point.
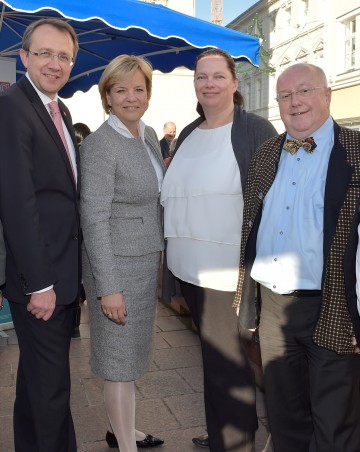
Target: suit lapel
(155, 148)
(65, 114)
(338, 179)
(44, 116)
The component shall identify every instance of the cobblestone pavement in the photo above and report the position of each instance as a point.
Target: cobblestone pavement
(169, 397)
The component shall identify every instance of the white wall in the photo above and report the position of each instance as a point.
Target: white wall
(173, 97)
(7, 72)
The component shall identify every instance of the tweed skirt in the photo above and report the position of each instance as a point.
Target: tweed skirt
(124, 352)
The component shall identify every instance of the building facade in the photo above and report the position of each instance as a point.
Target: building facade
(322, 32)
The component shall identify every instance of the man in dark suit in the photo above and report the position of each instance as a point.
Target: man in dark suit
(169, 135)
(299, 243)
(39, 187)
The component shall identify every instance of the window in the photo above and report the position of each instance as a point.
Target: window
(258, 93)
(304, 7)
(247, 96)
(350, 43)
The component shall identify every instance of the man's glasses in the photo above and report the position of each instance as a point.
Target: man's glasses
(286, 96)
(45, 55)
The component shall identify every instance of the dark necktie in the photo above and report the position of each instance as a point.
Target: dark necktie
(293, 146)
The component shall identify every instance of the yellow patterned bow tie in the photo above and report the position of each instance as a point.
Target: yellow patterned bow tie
(293, 146)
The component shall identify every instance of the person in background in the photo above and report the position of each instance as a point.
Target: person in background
(299, 243)
(167, 160)
(81, 131)
(169, 135)
(203, 202)
(122, 227)
(39, 198)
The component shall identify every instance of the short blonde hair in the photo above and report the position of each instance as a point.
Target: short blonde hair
(120, 69)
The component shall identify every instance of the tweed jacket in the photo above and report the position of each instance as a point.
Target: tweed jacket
(120, 202)
(338, 319)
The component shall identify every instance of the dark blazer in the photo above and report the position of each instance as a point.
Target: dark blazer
(339, 318)
(165, 147)
(38, 199)
(2, 256)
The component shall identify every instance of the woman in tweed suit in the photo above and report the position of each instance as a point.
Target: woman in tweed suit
(122, 172)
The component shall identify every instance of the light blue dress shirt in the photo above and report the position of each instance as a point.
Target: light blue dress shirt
(289, 250)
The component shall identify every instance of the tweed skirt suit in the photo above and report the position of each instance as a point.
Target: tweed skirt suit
(122, 229)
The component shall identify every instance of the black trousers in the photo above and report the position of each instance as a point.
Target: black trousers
(42, 417)
(229, 386)
(312, 394)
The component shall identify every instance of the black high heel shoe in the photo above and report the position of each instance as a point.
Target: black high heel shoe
(148, 441)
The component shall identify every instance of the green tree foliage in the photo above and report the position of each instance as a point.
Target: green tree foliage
(256, 29)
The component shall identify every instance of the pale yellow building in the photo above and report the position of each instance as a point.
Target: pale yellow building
(323, 32)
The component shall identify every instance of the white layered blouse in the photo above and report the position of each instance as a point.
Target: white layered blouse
(203, 203)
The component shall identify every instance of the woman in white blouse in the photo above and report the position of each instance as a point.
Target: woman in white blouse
(203, 201)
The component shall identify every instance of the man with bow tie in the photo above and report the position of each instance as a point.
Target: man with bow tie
(298, 247)
(39, 197)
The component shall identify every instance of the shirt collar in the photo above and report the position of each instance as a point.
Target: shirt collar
(321, 133)
(121, 127)
(44, 98)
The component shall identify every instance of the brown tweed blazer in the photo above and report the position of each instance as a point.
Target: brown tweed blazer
(338, 319)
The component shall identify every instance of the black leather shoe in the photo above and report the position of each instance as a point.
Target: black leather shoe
(201, 441)
(111, 440)
(148, 441)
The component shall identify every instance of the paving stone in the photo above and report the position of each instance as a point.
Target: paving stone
(153, 416)
(169, 398)
(6, 433)
(193, 376)
(175, 358)
(162, 383)
(7, 396)
(188, 409)
(170, 323)
(183, 338)
(160, 342)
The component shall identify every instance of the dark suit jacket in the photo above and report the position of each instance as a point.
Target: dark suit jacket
(164, 146)
(38, 198)
(339, 318)
(2, 257)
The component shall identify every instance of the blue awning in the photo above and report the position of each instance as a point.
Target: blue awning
(107, 28)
